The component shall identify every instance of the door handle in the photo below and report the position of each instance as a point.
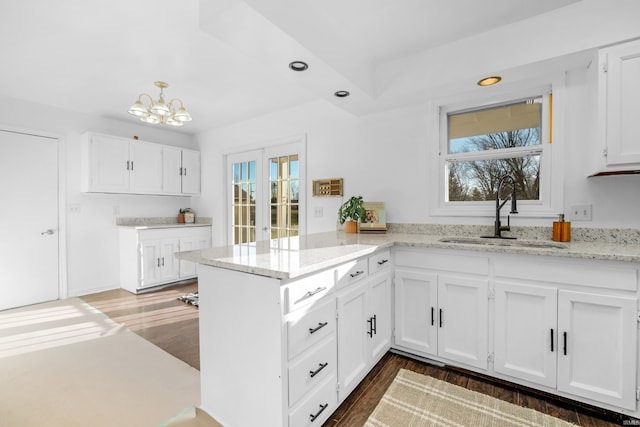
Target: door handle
(49, 231)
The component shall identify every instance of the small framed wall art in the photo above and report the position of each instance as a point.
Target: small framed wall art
(375, 220)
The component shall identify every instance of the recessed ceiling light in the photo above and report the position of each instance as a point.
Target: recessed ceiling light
(298, 65)
(342, 93)
(488, 81)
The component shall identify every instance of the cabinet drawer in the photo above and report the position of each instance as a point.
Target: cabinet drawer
(307, 290)
(317, 406)
(307, 328)
(311, 368)
(352, 272)
(380, 261)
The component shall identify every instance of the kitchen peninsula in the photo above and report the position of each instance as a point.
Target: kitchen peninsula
(288, 328)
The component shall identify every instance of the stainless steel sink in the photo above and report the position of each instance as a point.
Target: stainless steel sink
(542, 244)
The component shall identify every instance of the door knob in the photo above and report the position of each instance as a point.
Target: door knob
(49, 231)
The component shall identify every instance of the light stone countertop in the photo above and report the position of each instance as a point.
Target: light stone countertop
(156, 226)
(150, 223)
(295, 257)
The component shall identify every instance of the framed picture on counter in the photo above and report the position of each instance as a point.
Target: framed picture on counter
(375, 220)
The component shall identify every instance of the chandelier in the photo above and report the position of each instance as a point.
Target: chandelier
(159, 112)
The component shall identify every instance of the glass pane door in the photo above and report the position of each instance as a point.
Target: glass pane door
(265, 198)
(244, 187)
(284, 185)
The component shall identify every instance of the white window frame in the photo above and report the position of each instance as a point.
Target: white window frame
(551, 177)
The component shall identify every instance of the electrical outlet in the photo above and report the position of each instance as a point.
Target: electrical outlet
(116, 210)
(579, 213)
(75, 208)
(317, 212)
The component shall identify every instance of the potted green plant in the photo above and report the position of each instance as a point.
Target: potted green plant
(351, 212)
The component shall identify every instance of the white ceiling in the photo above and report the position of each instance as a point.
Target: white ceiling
(227, 59)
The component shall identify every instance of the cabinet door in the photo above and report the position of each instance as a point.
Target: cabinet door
(109, 164)
(623, 104)
(171, 170)
(597, 347)
(169, 264)
(188, 268)
(190, 172)
(463, 320)
(353, 336)
(525, 332)
(149, 262)
(146, 168)
(380, 312)
(416, 311)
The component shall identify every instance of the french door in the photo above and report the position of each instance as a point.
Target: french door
(266, 193)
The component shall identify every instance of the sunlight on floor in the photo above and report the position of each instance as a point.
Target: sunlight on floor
(52, 324)
(158, 317)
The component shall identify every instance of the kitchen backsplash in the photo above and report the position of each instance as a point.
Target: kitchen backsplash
(602, 235)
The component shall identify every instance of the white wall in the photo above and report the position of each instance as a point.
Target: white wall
(383, 157)
(91, 235)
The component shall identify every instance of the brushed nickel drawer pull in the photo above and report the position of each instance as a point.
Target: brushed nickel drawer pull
(317, 371)
(322, 408)
(312, 293)
(356, 274)
(317, 328)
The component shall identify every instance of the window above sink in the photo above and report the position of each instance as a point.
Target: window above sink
(484, 140)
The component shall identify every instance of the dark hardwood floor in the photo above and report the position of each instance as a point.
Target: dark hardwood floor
(173, 326)
(157, 317)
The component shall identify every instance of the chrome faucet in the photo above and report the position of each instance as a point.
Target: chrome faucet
(498, 228)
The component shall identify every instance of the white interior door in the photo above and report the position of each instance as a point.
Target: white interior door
(28, 219)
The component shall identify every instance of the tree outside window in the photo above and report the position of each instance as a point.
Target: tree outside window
(486, 144)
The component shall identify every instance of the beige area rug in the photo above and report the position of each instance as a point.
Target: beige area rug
(65, 363)
(416, 400)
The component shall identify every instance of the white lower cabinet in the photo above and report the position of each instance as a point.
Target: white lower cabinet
(526, 332)
(573, 330)
(597, 352)
(301, 346)
(158, 263)
(439, 312)
(364, 324)
(147, 256)
(312, 360)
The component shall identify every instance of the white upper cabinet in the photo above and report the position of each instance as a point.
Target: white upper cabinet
(619, 105)
(181, 171)
(120, 165)
(106, 164)
(145, 168)
(190, 172)
(171, 170)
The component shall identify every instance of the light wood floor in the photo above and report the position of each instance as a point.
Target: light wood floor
(173, 326)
